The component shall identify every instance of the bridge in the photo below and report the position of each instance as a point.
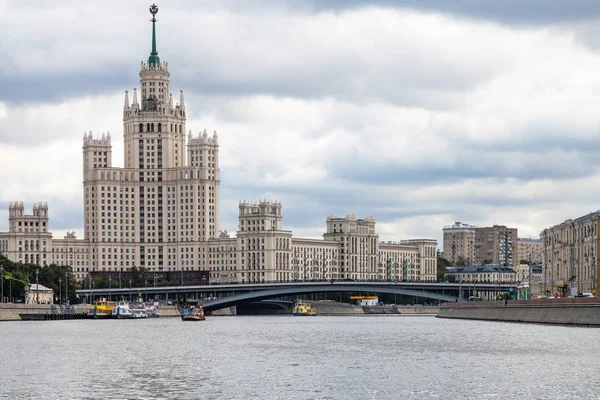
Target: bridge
(226, 295)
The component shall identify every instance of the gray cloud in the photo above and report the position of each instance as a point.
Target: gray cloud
(420, 115)
(506, 11)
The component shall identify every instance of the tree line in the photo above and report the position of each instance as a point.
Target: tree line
(18, 277)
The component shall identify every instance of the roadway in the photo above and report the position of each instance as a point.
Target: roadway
(231, 294)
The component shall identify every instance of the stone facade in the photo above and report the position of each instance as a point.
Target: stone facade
(484, 274)
(161, 211)
(530, 249)
(496, 245)
(480, 245)
(570, 256)
(459, 243)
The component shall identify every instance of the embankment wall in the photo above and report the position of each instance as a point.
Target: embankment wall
(10, 311)
(570, 311)
(335, 308)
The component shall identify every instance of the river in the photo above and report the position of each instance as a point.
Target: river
(284, 357)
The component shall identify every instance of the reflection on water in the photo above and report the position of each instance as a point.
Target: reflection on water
(284, 357)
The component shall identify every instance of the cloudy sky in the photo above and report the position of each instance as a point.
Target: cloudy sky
(420, 113)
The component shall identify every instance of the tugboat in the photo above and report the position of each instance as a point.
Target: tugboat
(303, 309)
(193, 314)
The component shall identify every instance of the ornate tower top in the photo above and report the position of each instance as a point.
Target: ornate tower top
(154, 60)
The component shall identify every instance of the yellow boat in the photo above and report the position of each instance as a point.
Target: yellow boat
(303, 309)
(101, 309)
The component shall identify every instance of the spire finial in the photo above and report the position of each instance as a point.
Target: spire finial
(153, 60)
(153, 11)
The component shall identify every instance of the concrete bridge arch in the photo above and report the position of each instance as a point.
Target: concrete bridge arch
(330, 288)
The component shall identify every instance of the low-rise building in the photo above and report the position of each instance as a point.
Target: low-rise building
(39, 294)
(481, 274)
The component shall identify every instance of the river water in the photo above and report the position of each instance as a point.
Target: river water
(285, 357)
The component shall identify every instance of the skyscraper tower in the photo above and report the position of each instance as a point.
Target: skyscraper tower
(160, 210)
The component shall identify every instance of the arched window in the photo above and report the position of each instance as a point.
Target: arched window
(152, 127)
(171, 130)
(148, 127)
(179, 128)
(141, 128)
(159, 127)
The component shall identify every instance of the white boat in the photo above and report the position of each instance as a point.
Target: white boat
(138, 310)
(122, 310)
(139, 314)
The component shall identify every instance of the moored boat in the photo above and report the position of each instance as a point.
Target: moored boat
(303, 309)
(138, 313)
(101, 309)
(122, 310)
(195, 313)
(152, 310)
(138, 309)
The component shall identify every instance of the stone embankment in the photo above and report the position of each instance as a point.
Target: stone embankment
(12, 312)
(15, 312)
(168, 311)
(570, 311)
(335, 308)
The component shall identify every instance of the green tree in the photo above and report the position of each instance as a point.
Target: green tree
(138, 276)
(461, 262)
(55, 277)
(442, 264)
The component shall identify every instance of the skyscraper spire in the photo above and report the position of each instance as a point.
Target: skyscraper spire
(126, 105)
(181, 100)
(153, 60)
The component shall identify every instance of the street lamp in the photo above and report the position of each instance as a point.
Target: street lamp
(130, 289)
(2, 297)
(59, 290)
(66, 287)
(37, 286)
(109, 288)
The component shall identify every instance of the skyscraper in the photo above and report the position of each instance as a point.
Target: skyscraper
(161, 211)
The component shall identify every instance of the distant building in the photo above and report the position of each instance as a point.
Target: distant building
(39, 294)
(481, 274)
(459, 243)
(570, 256)
(480, 245)
(496, 245)
(530, 250)
(523, 274)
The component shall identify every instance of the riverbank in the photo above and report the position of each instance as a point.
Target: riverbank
(324, 307)
(569, 311)
(14, 312)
